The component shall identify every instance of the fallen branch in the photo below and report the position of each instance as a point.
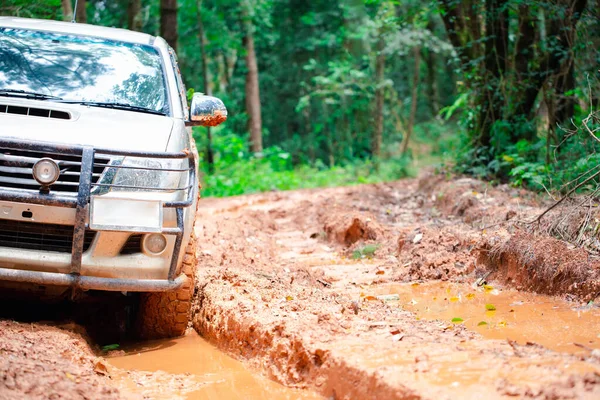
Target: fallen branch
(569, 193)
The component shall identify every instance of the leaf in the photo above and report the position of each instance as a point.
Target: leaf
(70, 376)
(100, 367)
(481, 323)
(414, 284)
(502, 324)
(454, 299)
(370, 298)
(289, 298)
(470, 296)
(109, 347)
(389, 297)
(490, 307)
(380, 272)
(488, 288)
(457, 320)
(417, 238)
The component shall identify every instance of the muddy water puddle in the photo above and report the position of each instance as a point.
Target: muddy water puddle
(502, 314)
(190, 368)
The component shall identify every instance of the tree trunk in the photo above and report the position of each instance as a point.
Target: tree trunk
(565, 82)
(413, 101)
(565, 98)
(308, 128)
(492, 97)
(222, 75)
(207, 85)
(168, 22)
(550, 134)
(134, 17)
(252, 86)
(432, 84)
(379, 97)
(81, 12)
(67, 10)
(529, 81)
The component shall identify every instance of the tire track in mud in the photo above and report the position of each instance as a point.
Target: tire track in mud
(277, 295)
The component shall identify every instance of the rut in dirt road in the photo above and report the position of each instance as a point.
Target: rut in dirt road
(301, 286)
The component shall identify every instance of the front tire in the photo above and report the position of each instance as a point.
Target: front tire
(167, 314)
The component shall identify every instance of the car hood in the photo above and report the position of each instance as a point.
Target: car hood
(94, 126)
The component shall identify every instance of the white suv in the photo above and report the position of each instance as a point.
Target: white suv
(98, 183)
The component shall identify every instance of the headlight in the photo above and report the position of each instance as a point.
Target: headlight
(46, 171)
(146, 174)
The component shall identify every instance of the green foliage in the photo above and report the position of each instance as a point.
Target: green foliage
(110, 347)
(237, 171)
(27, 8)
(317, 61)
(519, 94)
(367, 251)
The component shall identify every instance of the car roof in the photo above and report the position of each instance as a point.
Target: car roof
(70, 28)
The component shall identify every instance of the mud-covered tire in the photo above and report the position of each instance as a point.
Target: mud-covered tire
(167, 314)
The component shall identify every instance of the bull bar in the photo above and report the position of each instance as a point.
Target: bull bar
(81, 201)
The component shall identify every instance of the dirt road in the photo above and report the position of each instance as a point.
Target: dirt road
(413, 289)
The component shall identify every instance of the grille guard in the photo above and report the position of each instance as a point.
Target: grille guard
(87, 154)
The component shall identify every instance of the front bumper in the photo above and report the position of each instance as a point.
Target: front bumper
(92, 282)
(71, 273)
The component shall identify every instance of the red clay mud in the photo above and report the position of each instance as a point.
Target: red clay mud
(43, 362)
(290, 282)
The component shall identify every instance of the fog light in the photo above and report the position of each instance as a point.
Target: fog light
(46, 171)
(154, 243)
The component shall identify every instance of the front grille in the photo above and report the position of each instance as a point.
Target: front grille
(16, 170)
(43, 237)
(133, 245)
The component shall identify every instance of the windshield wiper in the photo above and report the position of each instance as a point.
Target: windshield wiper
(27, 95)
(116, 106)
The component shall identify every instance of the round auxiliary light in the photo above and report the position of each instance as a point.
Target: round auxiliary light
(46, 171)
(154, 243)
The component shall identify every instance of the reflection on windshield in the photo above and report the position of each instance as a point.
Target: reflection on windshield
(81, 68)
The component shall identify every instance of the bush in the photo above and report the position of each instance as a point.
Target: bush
(236, 171)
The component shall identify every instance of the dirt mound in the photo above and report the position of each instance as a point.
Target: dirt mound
(42, 362)
(476, 202)
(349, 228)
(426, 253)
(542, 264)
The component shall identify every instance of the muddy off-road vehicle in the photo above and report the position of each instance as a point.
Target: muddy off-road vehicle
(98, 184)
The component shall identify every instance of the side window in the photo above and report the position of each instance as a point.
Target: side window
(180, 85)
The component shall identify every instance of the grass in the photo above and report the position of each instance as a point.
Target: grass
(255, 175)
(238, 172)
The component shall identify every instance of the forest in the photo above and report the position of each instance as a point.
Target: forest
(334, 92)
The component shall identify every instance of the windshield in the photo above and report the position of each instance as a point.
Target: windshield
(81, 68)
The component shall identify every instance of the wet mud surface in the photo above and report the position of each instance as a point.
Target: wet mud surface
(414, 289)
(505, 314)
(334, 290)
(191, 368)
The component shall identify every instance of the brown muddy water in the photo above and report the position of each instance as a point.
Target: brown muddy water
(191, 368)
(502, 313)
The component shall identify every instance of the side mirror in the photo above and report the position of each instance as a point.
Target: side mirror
(206, 111)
